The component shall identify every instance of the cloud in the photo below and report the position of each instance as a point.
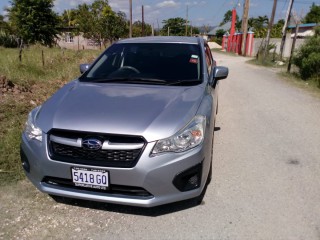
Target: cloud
(196, 3)
(119, 5)
(73, 3)
(168, 3)
(60, 5)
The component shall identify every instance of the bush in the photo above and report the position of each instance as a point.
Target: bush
(7, 40)
(307, 58)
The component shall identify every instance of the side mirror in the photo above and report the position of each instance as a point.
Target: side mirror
(84, 67)
(220, 73)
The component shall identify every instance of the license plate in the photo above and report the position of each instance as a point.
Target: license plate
(90, 178)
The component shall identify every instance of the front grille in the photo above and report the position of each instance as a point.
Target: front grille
(110, 158)
(114, 189)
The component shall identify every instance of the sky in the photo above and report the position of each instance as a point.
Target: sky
(200, 12)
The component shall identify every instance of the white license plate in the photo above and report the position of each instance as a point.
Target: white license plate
(90, 178)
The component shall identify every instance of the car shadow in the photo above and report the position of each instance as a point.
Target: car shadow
(150, 212)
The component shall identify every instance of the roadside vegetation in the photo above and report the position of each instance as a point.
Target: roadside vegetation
(307, 59)
(25, 85)
(306, 62)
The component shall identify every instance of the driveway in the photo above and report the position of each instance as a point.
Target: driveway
(266, 177)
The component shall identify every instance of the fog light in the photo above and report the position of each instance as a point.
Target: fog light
(189, 179)
(25, 161)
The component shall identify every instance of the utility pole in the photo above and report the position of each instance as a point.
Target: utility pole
(168, 31)
(130, 27)
(187, 20)
(245, 26)
(142, 21)
(274, 8)
(158, 27)
(152, 29)
(284, 30)
(297, 22)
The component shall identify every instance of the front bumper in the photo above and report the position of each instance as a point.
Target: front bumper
(156, 175)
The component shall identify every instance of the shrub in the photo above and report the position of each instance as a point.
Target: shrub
(7, 40)
(307, 58)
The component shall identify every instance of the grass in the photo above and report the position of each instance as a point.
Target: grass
(312, 85)
(60, 67)
(58, 64)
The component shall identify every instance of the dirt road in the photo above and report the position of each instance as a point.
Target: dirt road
(266, 177)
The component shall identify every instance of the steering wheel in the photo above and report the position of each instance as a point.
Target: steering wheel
(130, 68)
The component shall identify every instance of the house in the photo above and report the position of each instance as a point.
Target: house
(69, 38)
(305, 30)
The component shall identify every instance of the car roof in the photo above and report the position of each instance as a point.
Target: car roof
(162, 39)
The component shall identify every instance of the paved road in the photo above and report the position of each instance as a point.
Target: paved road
(266, 182)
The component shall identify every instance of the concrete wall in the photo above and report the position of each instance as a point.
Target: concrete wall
(277, 42)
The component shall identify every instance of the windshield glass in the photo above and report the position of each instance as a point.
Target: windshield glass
(160, 62)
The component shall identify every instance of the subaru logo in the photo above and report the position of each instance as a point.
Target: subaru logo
(91, 144)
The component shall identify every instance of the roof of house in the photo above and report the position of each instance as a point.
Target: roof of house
(304, 25)
(225, 27)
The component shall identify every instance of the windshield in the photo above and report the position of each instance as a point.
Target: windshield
(165, 63)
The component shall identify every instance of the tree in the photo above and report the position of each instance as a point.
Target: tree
(137, 29)
(228, 18)
(195, 30)
(313, 16)
(100, 23)
(34, 21)
(259, 25)
(68, 18)
(276, 31)
(219, 36)
(220, 33)
(3, 24)
(116, 26)
(176, 26)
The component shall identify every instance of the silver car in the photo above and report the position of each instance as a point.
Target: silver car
(135, 129)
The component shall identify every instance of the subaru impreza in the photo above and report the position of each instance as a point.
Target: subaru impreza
(136, 128)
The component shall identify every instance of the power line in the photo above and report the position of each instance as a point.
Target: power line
(301, 1)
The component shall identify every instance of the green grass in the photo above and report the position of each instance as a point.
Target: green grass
(311, 85)
(12, 117)
(58, 64)
(60, 67)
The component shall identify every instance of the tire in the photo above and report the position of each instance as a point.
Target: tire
(217, 107)
(209, 175)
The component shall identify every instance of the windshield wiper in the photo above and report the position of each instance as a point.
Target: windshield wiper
(185, 82)
(131, 80)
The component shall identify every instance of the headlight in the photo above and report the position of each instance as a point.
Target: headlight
(189, 137)
(31, 130)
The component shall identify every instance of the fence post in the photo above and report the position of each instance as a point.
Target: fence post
(249, 43)
(42, 56)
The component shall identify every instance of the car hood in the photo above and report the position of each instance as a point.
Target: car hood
(154, 112)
